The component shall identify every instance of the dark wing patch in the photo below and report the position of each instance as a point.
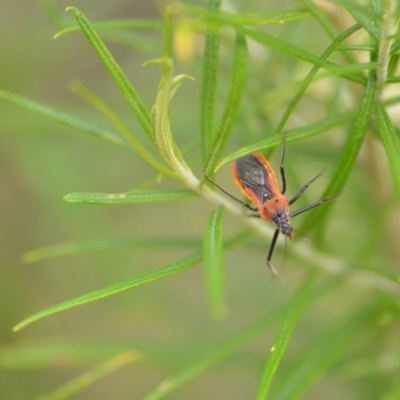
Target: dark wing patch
(255, 177)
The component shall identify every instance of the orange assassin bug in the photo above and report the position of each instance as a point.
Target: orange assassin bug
(256, 179)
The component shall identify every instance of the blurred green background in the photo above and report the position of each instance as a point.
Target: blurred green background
(170, 321)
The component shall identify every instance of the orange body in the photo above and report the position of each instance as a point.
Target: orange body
(256, 179)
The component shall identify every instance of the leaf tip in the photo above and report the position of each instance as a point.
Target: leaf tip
(18, 327)
(74, 10)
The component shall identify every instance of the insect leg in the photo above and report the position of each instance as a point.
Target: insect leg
(303, 189)
(271, 251)
(311, 206)
(282, 166)
(232, 197)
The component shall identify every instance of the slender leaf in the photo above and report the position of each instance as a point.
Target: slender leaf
(163, 137)
(209, 84)
(346, 163)
(270, 17)
(311, 75)
(364, 17)
(101, 246)
(356, 47)
(88, 378)
(163, 272)
(213, 261)
(160, 273)
(137, 196)
(391, 143)
(64, 119)
(260, 18)
(291, 136)
(101, 106)
(131, 96)
(210, 359)
(280, 45)
(320, 357)
(284, 334)
(232, 104)
(294, 51)
(321, 16)
(139, 24)
(395, 47)
(393, 79)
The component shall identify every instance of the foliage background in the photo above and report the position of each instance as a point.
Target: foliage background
(170, 321)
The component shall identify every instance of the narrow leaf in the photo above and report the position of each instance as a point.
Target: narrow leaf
(320, 357)
(280, 45)
(391, 144)
(349, 156)
(294, 51)
(209, 84)
(140, 24)
(102, 246)
(281, 341)
(213, 261)
(311, 75)
(291, 136)
(261, 18)
(163, 272)
(271, 17)
(364, 17)
(137, 196)
(88, 378)
(212, 358)
(232, 104)
(160, 273)
(131, 96)
(163, 137)
(64, 119)
(104, 109)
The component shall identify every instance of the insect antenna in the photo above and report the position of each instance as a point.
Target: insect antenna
(232, 197)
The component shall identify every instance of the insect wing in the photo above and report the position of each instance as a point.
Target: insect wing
(255, 178)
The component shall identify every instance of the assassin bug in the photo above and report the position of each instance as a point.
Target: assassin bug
(256, 179)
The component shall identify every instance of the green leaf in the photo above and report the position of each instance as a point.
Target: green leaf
(163, 272)
(135, 24)
(131, 96)
(320, 357)
(232, 104)
(210, 359)
(260, 18)
(213, 261)
(317, 11)
(64, 119)
(107, 245)
(296, 52)
(160, 273)
(163, 137)
(364, 17)
(270, 17)
(391, 144)
(209, 84)
(284, 334)
(311, 75)
(346, 163)
(291, 136)
(88, 378)
(137, 196)
(104, 109)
